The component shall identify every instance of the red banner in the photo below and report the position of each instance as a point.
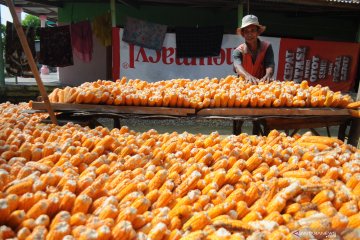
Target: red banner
(332, 64)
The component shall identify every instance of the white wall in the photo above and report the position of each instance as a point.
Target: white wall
(82, 72)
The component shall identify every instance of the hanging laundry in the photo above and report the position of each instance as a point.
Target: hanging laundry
(55, 46)
(15, 58)
(144, 34)
(81, 39)
(102, 29)
(198, 41)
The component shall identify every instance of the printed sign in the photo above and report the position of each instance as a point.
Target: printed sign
(332, 64)
(137, 62)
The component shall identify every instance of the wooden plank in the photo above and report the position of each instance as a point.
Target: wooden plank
(301, 123)
(273, 112)
(31, 61)
(115, 109)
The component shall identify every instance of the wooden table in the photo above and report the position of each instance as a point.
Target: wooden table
(264, 119)
(88, 114)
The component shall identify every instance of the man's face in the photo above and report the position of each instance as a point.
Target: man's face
(250, 33)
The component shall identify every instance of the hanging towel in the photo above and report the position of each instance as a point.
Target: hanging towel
(198, 41)
(144, 34)
(81, 39)
(16, 60)
(102, 29)
(55, 46)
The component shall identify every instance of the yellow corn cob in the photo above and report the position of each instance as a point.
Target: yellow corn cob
(197, 222)
(123, 230)
(158, 180)
(233, 225)
(175, 223)
(349, 208)
(158, 231)
(39, 232)
(4, 211)
(252, 194)
(252, 216)
(276, 204)
(39, 208)
(108, 211)
(201, 203)
(339, 222)
(220, 209)
(130, 187)
(82, 204)
(20, 187)
(78, 219)
(165, 197)
(298, 174)
(14, 219)
(180, 211)
(253, 162)
(353, 181)
(276, 217)
(323, 196)
(141, 205)
(188, 184)
(59, 231)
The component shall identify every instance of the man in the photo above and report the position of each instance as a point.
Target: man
(254, 59)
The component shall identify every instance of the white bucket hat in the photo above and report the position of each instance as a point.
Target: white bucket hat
(251, 20)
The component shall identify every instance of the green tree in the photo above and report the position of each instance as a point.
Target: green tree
(3, 32)
(32, 21)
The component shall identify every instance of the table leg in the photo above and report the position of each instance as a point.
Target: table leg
(237, 124)
(117, 123)
(342, 130)
(354, 133)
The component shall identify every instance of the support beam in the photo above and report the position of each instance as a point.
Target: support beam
(240, 13)
(31, 60)
(43, 3)
(2, 65)
(130, 3)
(113, 13)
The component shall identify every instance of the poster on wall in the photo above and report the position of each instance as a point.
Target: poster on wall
(332, 64)
(136, 62)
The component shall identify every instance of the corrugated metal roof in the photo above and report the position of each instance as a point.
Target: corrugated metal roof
(345, 1)
(50, 7)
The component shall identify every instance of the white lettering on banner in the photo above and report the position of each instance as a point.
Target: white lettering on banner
(150, 65)
(322, 70)
(314, 68)
(167, 56)
(336, 72)
(330, 68)
(345, 68)
(307, 69)
(299, 64)
(289, 65)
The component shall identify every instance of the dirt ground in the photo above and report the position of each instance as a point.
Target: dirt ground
(224, 127)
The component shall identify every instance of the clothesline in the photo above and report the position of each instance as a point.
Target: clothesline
(57, 44)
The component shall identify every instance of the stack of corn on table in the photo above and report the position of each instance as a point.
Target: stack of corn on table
(73, 182)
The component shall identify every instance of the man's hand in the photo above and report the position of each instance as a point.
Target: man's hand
(266, 78)
(251, 79)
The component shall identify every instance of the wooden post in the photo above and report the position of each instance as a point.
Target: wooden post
(31, 60)
(113, 13)
(354, 132)
(2, 66)
(109, 56)
(240, 13)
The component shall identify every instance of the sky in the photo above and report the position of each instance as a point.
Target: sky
(6, 15)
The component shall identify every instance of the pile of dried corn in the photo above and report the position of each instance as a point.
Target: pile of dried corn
(72, 182)
(202, 93)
